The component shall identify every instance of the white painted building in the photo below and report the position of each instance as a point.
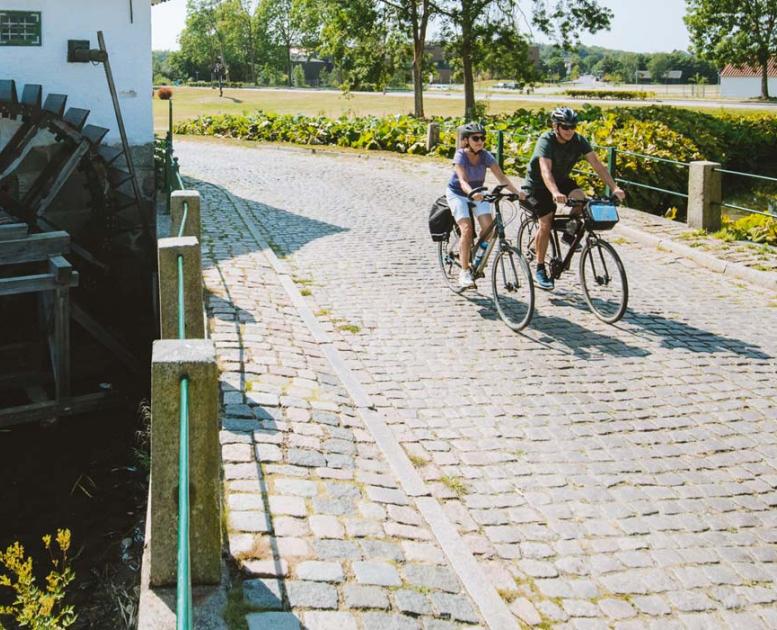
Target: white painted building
(745, 82)
(43, 60)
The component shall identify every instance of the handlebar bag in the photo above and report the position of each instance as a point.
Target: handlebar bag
(602, 216)
(440, 220)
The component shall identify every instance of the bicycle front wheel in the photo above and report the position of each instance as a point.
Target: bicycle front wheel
(513, 288)
(448, 257)
(603, 277)
(526, 246)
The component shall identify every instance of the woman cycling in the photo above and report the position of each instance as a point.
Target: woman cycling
(469, 172)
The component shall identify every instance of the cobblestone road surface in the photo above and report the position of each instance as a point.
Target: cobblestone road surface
(603, 476)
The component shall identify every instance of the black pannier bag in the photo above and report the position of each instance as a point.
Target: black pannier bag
(440, 220)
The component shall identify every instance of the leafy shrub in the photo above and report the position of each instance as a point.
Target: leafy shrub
(617, 94)
(164, 93)
(755, 227)
(39, 609)
(739, 142)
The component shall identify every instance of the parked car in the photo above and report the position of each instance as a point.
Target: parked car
(509, 85)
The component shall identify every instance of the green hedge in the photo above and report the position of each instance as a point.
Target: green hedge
(616, 94)
(739, 142)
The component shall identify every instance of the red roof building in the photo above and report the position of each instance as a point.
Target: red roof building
(745, 81)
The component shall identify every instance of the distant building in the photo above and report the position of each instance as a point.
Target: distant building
(442, 70)
(310, 65)
(745, 81)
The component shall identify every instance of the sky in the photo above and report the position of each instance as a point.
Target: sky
(638, 26)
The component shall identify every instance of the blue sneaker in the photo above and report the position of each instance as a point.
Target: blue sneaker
(542, 280)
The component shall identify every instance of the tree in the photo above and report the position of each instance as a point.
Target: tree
(414, 15)
(362, 39)
(559, 19)
(659, 65)
(286, 22)
(740, 32)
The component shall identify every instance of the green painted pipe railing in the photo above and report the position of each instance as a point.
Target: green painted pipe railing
(732, 206)
(184, 582)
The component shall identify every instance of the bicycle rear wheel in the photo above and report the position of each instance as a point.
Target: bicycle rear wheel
(513, 288)
(448, 257)
(605, 286)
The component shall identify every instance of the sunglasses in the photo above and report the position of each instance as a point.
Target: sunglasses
(567, 127)
(477, 138)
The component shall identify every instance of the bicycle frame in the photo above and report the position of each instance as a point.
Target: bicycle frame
(558, 267)
(496, 230)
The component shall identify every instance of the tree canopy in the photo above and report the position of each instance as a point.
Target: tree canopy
(739, 32)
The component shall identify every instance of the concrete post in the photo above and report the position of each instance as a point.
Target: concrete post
(432, 136)
(704, 196)
(172, 360)
(177, 200)
(168, 251)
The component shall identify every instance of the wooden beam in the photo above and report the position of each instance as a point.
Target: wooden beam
(36, 412)
(34, 284)
(13, 231)
(34, 247)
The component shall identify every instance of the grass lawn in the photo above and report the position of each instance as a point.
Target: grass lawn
(190, 102)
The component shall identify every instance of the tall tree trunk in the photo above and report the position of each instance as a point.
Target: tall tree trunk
(418, 86)
(765, 80)
(288, 61)
(469, 81)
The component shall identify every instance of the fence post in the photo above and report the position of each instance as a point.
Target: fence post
(612, 163)
(432, 136)
(192, 200)
(171, 361)
(705, 195)
(168, 251)
(500, 148)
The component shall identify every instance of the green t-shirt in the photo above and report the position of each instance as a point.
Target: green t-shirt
(564, 156)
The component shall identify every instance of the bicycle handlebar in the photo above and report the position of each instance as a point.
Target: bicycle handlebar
(612, 199)
(492, 196)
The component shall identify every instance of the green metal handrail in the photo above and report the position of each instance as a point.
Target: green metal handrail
(184, 582)
(620, 180)
(749, 210)
(648, 157)
(753, 175)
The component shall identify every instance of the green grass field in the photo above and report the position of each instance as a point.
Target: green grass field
(189, 102)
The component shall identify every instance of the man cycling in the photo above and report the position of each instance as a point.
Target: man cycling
(548, 182)
(470, 163)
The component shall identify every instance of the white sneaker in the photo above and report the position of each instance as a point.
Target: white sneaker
(465, 279)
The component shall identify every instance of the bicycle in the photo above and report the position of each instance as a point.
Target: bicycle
(511, 281)
(601, 272)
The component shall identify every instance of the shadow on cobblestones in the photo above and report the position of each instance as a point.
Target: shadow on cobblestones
(672, 333)
(579, 340)
(677, 334)
(287, 232)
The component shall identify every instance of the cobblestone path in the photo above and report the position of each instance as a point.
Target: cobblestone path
(602, 476)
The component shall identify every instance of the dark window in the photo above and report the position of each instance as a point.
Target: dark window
(20, 28)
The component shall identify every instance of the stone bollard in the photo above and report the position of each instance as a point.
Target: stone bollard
(192, 200)
(171, 361)
(194, 316)
(704, 196)
(432, 136)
